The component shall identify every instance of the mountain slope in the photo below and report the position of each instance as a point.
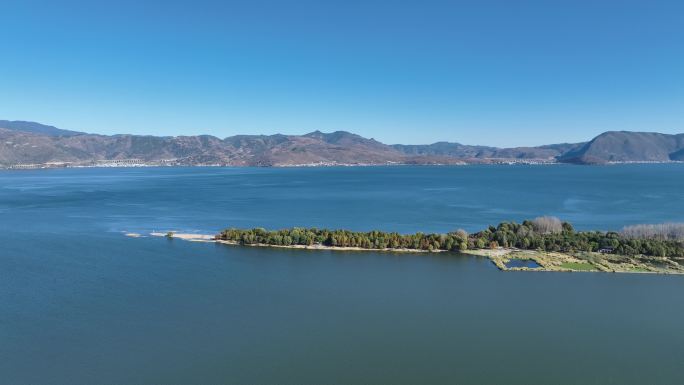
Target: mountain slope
(36, 128)
(625, 146)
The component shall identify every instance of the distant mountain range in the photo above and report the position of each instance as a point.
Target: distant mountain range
(29, 144)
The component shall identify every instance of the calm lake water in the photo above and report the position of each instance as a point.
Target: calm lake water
(529, 263)
(80, 303)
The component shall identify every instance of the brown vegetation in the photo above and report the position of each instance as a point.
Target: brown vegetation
(547, 225)
(662, 231)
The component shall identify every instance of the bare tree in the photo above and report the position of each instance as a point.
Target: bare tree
(662, 231)
(462, 234)
(547, 225)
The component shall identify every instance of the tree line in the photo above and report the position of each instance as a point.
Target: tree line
(527, 236)
(544, 233)
(454, 241)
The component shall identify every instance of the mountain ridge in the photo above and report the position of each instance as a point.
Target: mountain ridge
(36, 128)
(30, 143)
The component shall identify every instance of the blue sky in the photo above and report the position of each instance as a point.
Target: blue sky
(503, 73)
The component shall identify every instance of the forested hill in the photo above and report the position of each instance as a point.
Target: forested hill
(29, 143)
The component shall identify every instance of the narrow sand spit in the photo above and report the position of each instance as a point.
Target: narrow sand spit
(187, 236)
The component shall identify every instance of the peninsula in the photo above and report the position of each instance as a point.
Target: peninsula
(541, 244)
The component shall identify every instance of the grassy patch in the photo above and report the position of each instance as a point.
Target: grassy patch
(580, 266)
(639, 270)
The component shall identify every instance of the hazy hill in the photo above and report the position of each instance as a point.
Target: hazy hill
(33, 143)
(447, 149)
(548, 152)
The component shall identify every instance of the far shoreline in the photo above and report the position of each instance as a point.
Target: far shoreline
(27, 167)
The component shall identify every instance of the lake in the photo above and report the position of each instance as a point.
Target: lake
(80, 303)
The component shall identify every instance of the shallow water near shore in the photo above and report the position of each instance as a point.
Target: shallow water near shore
(83, 303)
(530, 264)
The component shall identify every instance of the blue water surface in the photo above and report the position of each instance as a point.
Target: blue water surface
(80, 303)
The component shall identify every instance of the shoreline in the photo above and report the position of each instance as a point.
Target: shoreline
(546, 261)
(456, 163)
(561, 262)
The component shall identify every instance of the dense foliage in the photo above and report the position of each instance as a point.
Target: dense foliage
(524, 236)
(343, 238)
(540, 234)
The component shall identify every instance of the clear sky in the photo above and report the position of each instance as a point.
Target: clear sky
(502, 73)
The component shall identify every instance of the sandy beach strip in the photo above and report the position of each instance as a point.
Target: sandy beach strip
(186, 236)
